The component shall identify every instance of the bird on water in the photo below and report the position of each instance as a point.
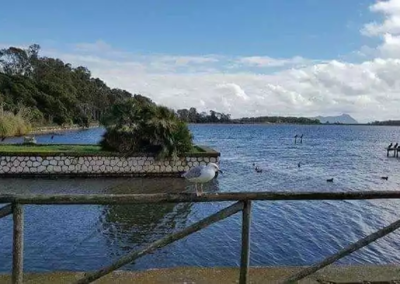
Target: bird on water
(201, 175)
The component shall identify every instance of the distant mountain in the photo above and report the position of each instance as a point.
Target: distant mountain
(344, 118)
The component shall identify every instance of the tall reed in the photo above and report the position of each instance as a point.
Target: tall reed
(14, 124)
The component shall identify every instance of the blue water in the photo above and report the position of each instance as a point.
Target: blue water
(282, 233)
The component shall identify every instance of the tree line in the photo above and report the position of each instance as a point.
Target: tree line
(192, 116)
(52, 90)
(386, 122)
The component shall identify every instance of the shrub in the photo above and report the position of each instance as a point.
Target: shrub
(139, 125)
(13, 124)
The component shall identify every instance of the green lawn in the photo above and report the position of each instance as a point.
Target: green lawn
(77, 149)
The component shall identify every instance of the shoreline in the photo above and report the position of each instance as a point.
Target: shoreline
(50, 129)
(218, 275)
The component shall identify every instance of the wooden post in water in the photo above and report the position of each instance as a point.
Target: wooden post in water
(18, 244)
(245, 256)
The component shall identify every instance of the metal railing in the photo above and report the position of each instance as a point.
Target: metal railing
(243, 203)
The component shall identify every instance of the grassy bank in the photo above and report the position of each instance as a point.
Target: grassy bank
(13, 125)
(341, 274)
(56, 149)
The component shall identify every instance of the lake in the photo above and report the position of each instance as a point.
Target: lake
(80, 238)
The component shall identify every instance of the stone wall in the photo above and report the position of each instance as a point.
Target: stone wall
(58, 165)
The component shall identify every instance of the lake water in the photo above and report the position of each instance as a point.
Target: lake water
(283, 233)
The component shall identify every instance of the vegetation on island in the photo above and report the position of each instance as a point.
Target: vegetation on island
(137, 125)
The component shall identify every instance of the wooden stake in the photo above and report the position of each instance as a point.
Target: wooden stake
(18, 244)
(245, 257)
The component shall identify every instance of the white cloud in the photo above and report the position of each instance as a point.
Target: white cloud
(261, 85)
(266, 61)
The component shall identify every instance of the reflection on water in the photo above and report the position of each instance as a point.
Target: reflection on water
(133, 226)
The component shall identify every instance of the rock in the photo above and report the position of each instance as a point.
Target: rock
(102, 168)
(39, 159)
(96, 168)
(41, 169)
(57, 169)
(45, 162)
(213, 160)
(99, 162)
(29, 163)
(50, 168)
(28, 140)
(71, 168)
(64, 168)
(33, 170)
(57, 158)
(67, 162)
(36, 164)
(53, 162)
(92, 163)
(203, 163)
(106, 162)
(16, 163)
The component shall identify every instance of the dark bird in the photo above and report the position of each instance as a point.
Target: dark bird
(295, 138)
(301, 139)
(258, 170)
(329, 180)
(395, 145)
(390, 145)
(299, 164)
(3, 138)
(385, 178)
(52, 137)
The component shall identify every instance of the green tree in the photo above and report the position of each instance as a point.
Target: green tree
(139, 125)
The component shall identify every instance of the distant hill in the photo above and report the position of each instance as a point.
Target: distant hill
(344, 118)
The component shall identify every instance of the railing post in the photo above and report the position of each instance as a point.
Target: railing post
(245, 255)
(18, 244)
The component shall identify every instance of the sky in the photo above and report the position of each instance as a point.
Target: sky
(246, 58)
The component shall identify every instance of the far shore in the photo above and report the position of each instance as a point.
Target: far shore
(218, 275)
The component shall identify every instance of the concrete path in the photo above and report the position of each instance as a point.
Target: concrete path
(191, 275)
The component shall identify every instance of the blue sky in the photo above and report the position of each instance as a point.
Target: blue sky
(246, 58)
(310, 28)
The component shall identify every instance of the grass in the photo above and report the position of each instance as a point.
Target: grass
(56, 149)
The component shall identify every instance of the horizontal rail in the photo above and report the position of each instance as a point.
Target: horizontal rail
(190, 197)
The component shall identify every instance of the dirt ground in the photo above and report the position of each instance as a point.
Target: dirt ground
(194, 275)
